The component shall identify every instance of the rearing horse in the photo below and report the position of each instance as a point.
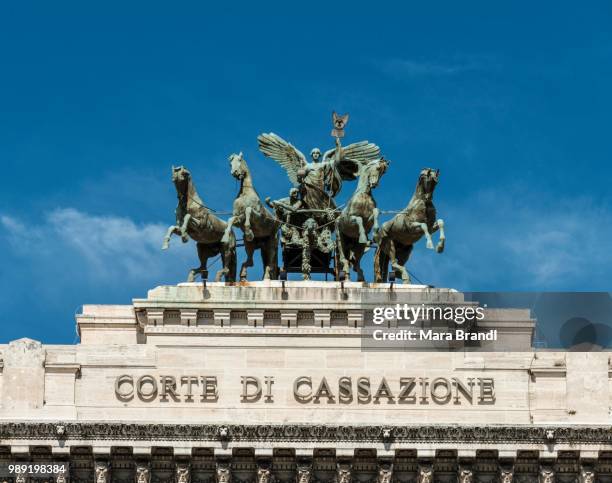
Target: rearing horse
(398, 235)
(195, 220)
(359, 216)
(259, 226)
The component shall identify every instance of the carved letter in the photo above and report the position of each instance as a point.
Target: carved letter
(126, 394)
(487, 390)
(324, 391)
(190, 381)
(250, 381)
(268, 381)
(168, 386)
(209, 389)
(384, 391)
(146, 396)
(300, 396)
(462, 388)
(345, 390)
(446, 393)
(424, 382)
(364, 393)
(407, 385)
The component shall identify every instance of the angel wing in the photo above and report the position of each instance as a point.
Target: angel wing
(284, 153)
(352, 158)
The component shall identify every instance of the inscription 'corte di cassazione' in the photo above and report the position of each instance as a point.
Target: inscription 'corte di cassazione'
(312, 390)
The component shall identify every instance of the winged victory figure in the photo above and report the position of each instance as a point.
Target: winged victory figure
(320, 181)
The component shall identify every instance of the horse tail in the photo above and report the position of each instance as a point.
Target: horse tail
(381, 262)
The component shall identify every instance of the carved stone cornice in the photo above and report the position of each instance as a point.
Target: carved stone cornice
(304, 433)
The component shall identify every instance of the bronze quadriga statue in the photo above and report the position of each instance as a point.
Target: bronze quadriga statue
(358, 218)
(314, 234)
(259, 226)
(194, 220)
(397, 236)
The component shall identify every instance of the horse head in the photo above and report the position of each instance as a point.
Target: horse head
(428, 179)
(238, 166)
(374, 170)
(181, 177)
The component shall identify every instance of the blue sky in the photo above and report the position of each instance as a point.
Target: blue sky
(512, 102)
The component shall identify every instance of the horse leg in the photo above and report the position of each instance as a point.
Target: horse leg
(203, 254)
(171, 230)
(396, 264)
(228, 229)
(423, 226)
(376, 226)
(363, 238)
(248, 232)
(224, 270)
(228, 253)
(357, 254)
(403, 253)
(265, 260)
(249, 248)
(269, 257)
(439, 224)
(183, 228)
(343, 262)
(381, 261)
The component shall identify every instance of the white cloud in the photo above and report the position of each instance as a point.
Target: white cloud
(496, 240)
(102, 248)
(513, 240)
